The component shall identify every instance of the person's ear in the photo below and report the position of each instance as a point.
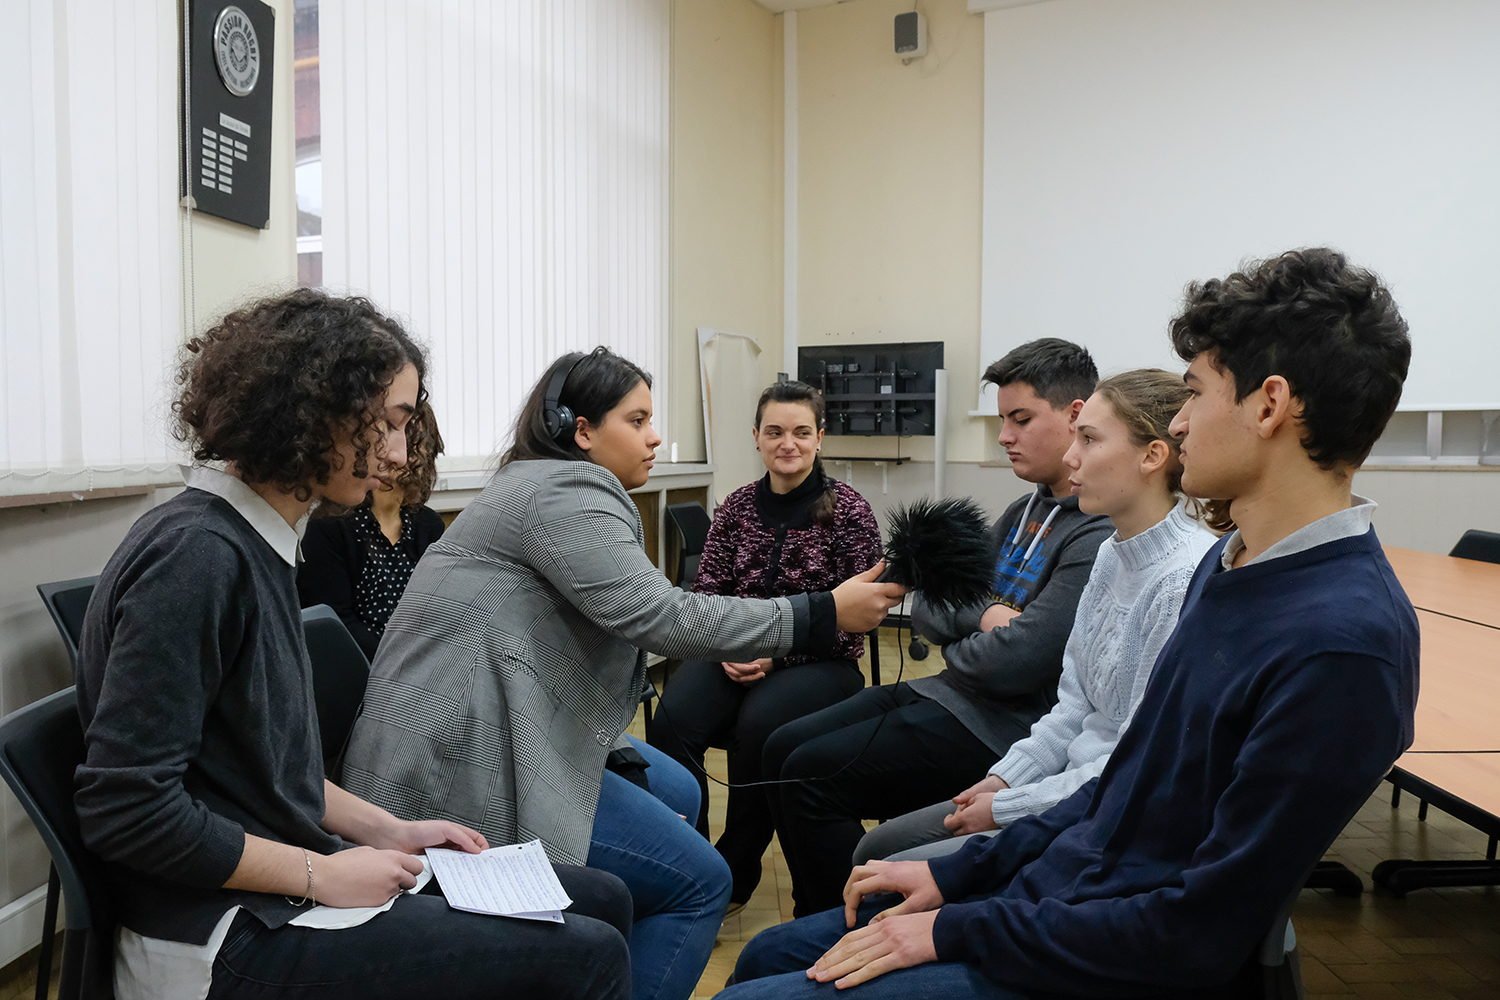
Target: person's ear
(583, 434)
(1274, 406)
(755, 436)
(1074, 408)
(1155, 458)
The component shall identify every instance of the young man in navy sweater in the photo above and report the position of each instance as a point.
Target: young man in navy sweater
(1276, 707)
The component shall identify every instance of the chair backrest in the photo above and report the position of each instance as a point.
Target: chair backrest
(41, 746)
(67, 601)
(340, 673)
(689, 523)
(1477, 544)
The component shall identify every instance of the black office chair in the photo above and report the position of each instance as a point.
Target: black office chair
(67, 601)
(687, 530)
(40, 747)
(340, 673)
(689, 524)
(917, 648)
(1481, 545)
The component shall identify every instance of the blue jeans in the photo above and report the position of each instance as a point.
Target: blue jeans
(774, 966)
(677, 881)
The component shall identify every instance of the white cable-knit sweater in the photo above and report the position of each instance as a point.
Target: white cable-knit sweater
(1127, 611)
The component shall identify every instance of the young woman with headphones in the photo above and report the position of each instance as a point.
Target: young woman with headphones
(517, 656)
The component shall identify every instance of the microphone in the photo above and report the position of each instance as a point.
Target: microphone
(939, 549)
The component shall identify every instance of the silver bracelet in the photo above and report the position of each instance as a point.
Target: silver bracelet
(308, 897)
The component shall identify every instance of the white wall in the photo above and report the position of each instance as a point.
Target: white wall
(890, 195)
(231, 264)
(726, 197)
(1427, 509)
(891, 168)
(1132, 147)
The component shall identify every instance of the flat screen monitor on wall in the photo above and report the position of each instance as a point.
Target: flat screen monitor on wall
(875, 390)
(1132, 147)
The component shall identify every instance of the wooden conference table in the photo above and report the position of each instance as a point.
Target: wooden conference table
(1454, 760)
(1458, 704)
(1458, 588)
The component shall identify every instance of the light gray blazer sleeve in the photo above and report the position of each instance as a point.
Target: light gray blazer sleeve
(582, 533)
(513, 662)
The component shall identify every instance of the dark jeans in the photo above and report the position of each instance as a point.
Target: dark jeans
(701, 708)
(774, 966)
(422, 948)
(919, 753)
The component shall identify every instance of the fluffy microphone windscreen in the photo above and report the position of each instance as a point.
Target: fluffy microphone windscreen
(938, 548)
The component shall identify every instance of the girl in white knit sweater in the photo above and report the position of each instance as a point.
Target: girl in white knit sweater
(1125, 465)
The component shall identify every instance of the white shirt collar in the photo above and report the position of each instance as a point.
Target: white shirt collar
(1352, 520)
(282, 537)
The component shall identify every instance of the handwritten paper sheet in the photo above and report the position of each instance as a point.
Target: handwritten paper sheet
(512, 881)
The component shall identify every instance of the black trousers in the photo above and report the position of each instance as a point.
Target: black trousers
(701, 708)
(884, 752)
(421, 947)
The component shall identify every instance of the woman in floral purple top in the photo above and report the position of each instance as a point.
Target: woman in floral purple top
(793, 531)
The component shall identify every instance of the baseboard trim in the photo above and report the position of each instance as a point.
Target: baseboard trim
(21, 924)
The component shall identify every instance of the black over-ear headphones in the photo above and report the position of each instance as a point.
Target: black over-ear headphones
(559, 420)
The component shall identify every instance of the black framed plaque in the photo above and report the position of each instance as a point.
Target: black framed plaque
(227, 164)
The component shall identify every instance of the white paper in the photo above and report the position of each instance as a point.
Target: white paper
(336, 918)
(512, 881)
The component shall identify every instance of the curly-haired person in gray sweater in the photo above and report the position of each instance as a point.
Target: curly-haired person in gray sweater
(1125, 466)
(202, 789)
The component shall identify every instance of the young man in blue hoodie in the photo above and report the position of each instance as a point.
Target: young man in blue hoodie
(1276, 707)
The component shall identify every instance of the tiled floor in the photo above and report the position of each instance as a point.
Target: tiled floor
(1442, 944)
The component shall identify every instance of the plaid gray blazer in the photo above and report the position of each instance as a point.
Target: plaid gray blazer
(515, 658)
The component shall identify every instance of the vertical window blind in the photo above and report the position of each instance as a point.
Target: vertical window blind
(89, 246)
(496, 174)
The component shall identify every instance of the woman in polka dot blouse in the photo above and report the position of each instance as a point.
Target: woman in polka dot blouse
(358, 562)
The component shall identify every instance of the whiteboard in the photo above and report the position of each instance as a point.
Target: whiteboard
(1134, 145)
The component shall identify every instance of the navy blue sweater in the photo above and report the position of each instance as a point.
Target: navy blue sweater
(1275, 709)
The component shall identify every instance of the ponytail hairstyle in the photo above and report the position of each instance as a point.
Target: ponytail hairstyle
(801, 392)
(1145, 400)
(597, 383)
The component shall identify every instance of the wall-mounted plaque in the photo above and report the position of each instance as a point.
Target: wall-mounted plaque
(227, 168)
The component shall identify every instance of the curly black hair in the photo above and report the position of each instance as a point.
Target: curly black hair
(1330, 329)
(423, 445)
(274, 386)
